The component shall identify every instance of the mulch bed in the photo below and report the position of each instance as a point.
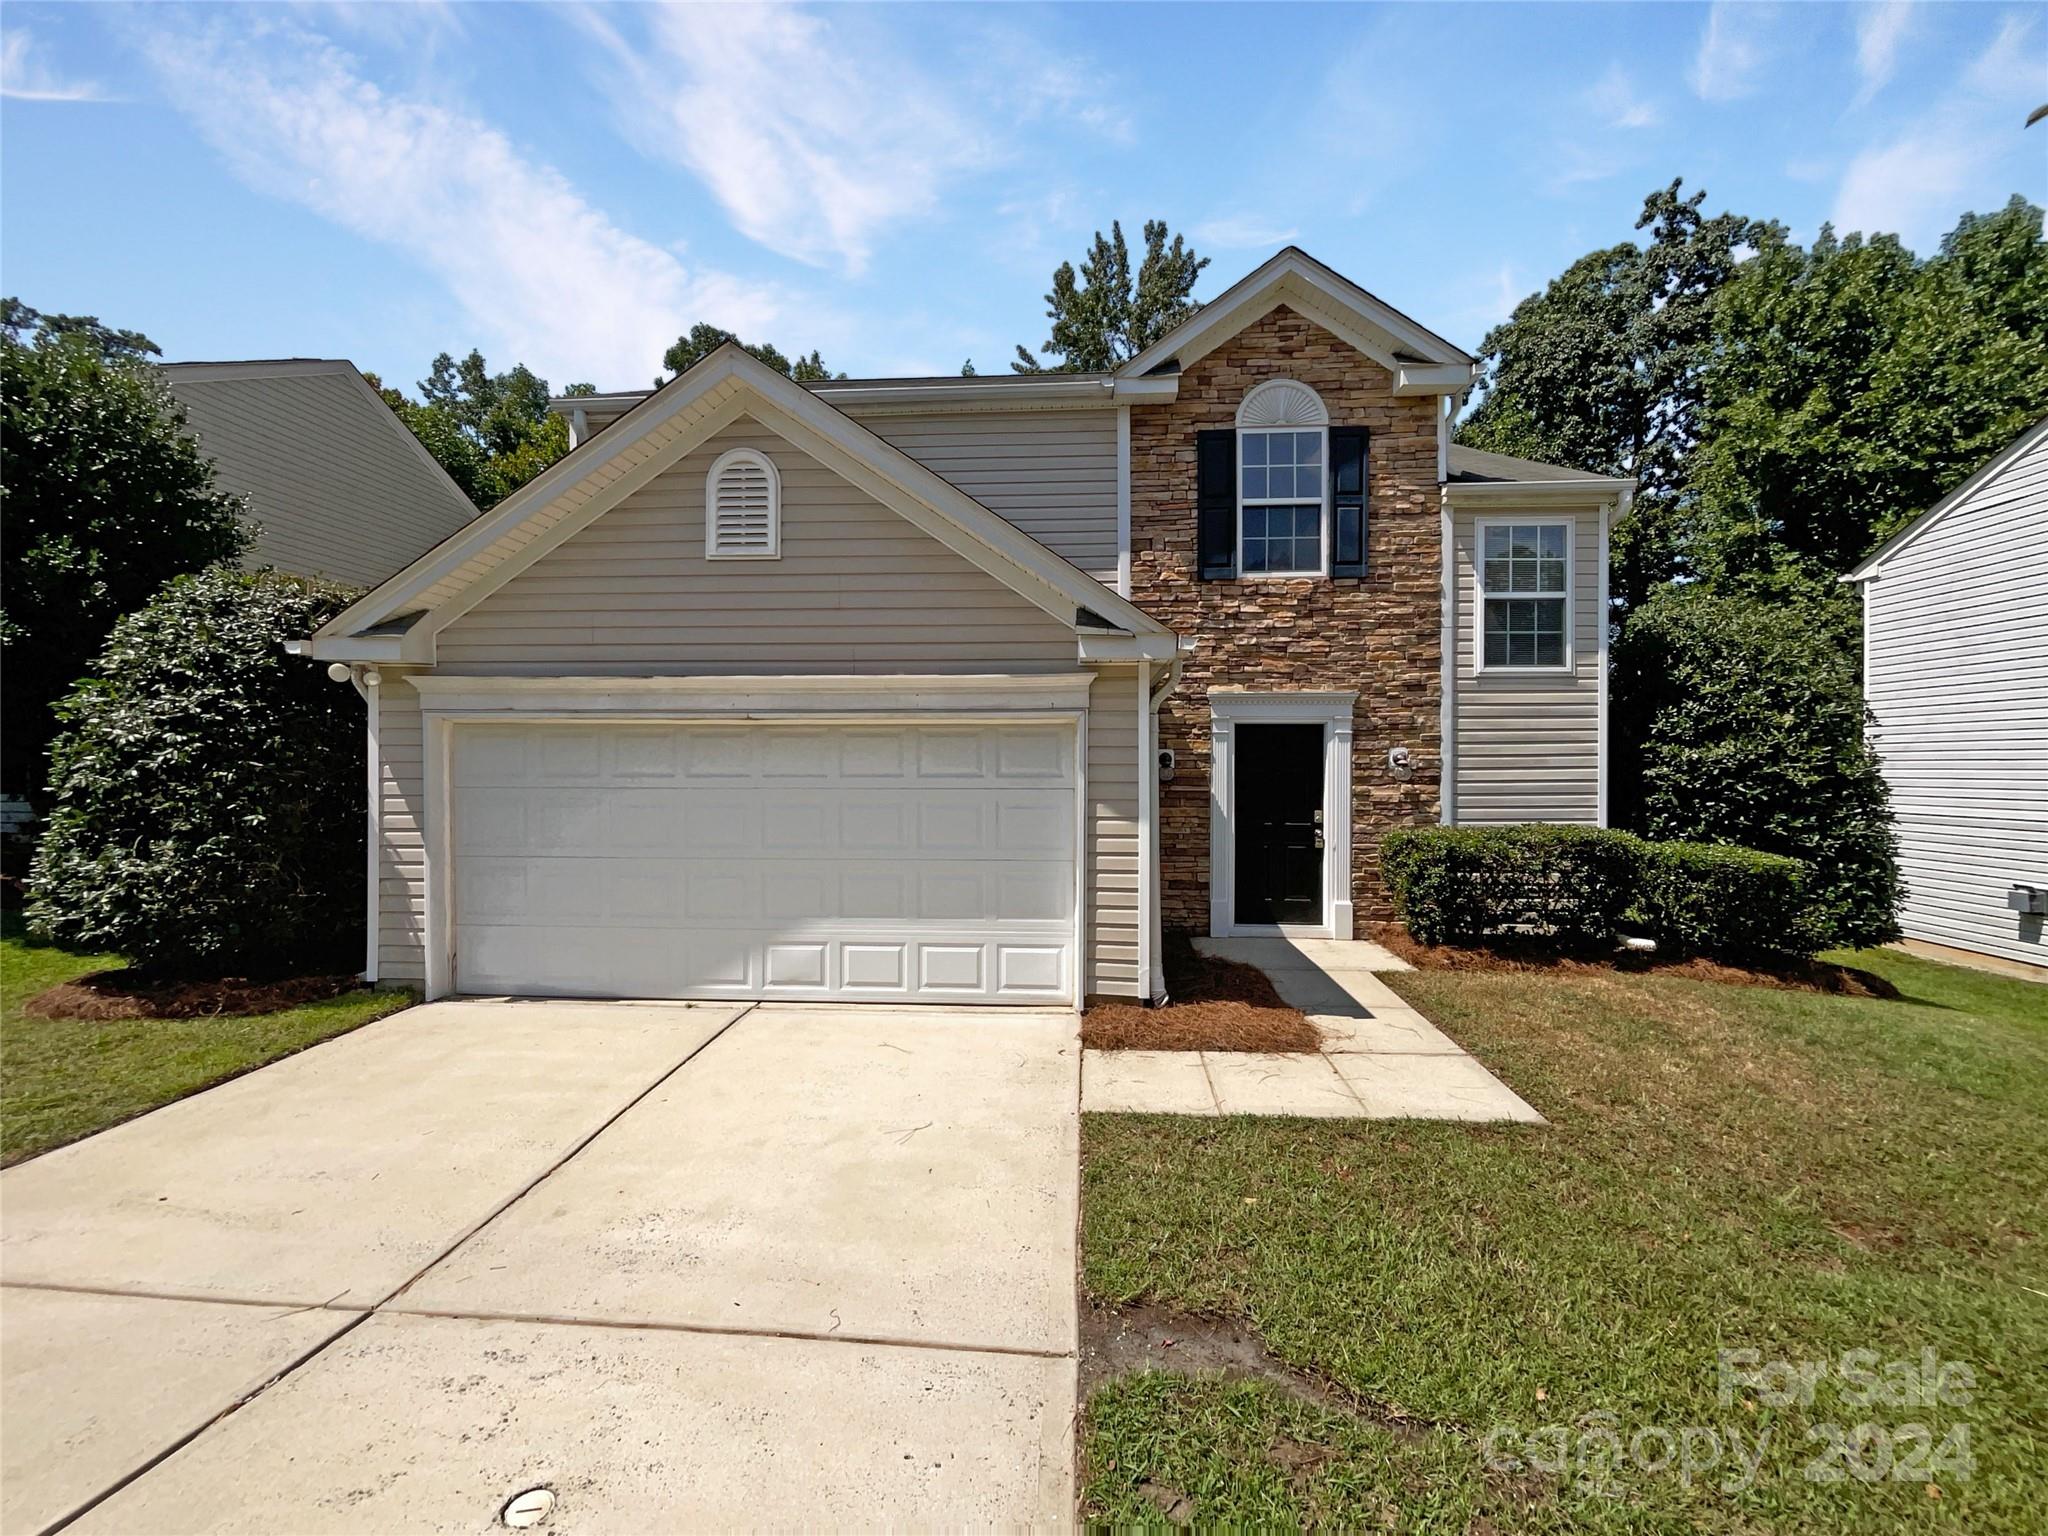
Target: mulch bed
(1212, 1005)
(1535, 955)
(131, 994)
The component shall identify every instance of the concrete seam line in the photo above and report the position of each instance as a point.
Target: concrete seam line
(145, 1293)
(355, 1322)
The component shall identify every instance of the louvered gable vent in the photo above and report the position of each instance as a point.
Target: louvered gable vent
(742, 508)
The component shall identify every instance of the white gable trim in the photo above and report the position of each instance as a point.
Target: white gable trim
(1338, 305)
(1868, 568)
(717, 391)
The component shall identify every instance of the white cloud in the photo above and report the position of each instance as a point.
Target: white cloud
(1880, 29)
(1616, 100)
(812, 134)
(1242, 231)
(548, 278)
(25, 77)
(1733, 50)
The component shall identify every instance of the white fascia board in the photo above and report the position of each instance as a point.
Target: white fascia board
(773, 695)
(1158, 389)
(359, 648)
(1537, 493)
(1102, 646)
(1433, 379)
(1867, 568)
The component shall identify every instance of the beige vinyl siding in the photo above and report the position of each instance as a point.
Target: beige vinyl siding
(335, 482)
(1050, 473)
(1528, 745)
(401, 853)
(1112, 824)
(858, 589)
(1956, 665)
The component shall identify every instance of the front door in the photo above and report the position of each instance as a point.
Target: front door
(1279, 822)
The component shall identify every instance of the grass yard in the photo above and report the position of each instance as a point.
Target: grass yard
(1727, 1167)
(61, 1079)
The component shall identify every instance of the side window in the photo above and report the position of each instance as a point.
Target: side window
(1525, 596)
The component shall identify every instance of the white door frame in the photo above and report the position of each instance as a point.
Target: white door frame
(499, 706)
(1229, 709)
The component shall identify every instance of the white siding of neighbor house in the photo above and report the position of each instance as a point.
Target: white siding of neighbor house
(1956, 675)
(1112, 825)
(858, 589)
(1051, 473)
(336, 485)
(1528, 744)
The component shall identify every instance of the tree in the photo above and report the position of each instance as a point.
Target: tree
(103, 497)
(1606, 369)
(1100, 317)
(1741, 722)
(703, 340)
(492, 432)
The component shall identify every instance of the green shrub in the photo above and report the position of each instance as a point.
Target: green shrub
(206, 810)
(1739, 721)
(1731, 903)
(1454, 885)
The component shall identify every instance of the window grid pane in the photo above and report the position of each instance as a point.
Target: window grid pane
(1525, 632)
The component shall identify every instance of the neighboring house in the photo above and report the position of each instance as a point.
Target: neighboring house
(1955, 672)
(964, 688)
(337, 486)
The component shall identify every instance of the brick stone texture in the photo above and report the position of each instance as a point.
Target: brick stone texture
(1379, 637)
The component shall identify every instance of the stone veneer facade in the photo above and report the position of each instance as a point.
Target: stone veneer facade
(1378, 637)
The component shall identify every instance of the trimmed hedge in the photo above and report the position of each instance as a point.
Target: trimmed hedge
(1711, 899)
(1453, 885)
(1580, 885)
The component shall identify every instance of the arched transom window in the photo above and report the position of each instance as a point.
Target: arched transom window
(743, 507)
(1283, 453)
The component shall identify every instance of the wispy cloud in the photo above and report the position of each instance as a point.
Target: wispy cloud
(811, 132)
(1734, 46)
(1242, 231)
(547, 277)
(1916, 182)
(25, 77)
(1618, 103)
(1880, 29)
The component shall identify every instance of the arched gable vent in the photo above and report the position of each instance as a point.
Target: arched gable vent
(743, 507)
(1282, 403)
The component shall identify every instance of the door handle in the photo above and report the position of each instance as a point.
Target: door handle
(1319, 838)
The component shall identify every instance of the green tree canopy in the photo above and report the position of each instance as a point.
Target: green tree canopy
(703, 340)
(1101, 317)
(103, 498)
(491, 431)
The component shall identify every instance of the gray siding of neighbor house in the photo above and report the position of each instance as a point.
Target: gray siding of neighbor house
(1528, 744)
(336, 484)
(1956, 674)
(1051, 473)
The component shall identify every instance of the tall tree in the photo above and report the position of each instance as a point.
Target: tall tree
(1605, 370)
(1101, 317)
(491, 431)
(103, 498)
(703, 339)
(24, 323)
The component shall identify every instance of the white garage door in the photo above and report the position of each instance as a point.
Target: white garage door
(930, 862)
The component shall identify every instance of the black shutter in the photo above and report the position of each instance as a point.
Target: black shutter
(1216, 505)
(1347, 501)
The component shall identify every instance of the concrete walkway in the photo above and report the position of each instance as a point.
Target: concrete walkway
(1380, 1058)
(685, 1267)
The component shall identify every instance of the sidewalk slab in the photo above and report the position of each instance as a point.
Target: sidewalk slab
(1282, 954)
(1411, 1087)
(415, 1424)
(1399, 1031)
(1252, 1083)
(1146, 1083)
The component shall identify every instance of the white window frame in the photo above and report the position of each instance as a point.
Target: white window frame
(1282, 405)
(1229, 709)
(1480, 595)
(718, 467)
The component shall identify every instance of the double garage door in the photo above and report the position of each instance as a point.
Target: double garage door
(927, 863)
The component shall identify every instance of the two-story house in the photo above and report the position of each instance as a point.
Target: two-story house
(965, 689)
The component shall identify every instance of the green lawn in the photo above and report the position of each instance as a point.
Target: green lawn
(61, 1079)
(1727, 1167)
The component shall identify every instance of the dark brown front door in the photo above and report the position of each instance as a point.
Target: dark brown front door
(1279, 823)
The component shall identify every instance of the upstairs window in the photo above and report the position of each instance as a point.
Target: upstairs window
(1282, 481)
(1525, 596)
(743, 507)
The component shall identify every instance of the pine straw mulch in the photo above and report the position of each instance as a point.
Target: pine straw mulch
(134, 994)
(1212, 1005)
(1536, 955)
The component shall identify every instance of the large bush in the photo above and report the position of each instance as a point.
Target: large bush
(1732, 903)
(206, 806)
(1454, 885)
(1740, 721)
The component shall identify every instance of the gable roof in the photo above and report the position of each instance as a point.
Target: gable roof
(1422, 361)
(336, 482)
(1990, 469)
(596, 476)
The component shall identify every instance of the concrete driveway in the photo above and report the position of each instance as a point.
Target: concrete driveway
(685, 1266)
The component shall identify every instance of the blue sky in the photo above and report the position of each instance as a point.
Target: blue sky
(573, 185)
